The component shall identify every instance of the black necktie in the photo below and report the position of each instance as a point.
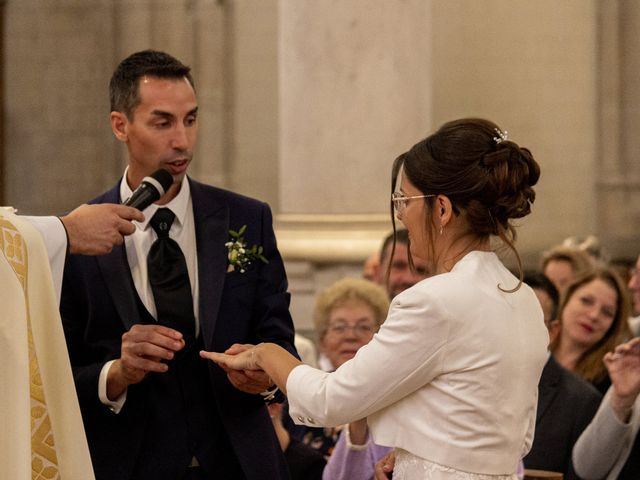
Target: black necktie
(169, 279)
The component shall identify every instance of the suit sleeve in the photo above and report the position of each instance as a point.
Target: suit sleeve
(274, 323)
(87, 352)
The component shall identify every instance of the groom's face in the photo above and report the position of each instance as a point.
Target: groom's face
(162, 130)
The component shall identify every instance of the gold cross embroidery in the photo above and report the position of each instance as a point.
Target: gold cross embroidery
(44, 461)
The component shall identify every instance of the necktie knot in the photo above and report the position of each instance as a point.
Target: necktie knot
(161, 222)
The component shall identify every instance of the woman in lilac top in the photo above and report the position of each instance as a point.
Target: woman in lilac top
(351, 461)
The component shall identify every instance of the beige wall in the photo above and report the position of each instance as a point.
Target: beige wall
(532, 68)
(305, 103)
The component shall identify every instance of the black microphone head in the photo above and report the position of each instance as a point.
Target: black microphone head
(150, 189)
(164, 178)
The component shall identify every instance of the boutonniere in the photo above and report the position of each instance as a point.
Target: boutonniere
(240, 257)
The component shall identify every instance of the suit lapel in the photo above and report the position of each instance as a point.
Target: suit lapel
(548, 386)
(212, 231)
(117, 276)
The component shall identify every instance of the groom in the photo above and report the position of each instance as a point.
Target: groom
(151, 408)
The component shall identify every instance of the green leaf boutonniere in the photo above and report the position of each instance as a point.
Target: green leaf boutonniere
(239, 255)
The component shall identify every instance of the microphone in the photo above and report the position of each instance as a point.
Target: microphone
(150, 189)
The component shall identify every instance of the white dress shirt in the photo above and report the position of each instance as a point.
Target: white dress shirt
(451, 377)
(137, 247)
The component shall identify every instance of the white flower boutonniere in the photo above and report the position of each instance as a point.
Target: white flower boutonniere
(240, 257)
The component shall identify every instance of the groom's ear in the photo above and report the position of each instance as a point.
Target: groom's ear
(119, 125)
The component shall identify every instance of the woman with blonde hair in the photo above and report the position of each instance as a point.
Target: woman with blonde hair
(346, 315)
(592, 318)
(451, 378)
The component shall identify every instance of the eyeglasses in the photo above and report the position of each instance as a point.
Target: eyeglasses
(360, 329)
(400, 201)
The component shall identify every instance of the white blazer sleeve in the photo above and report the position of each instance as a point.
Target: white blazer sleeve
(403, 356)
(55, 240)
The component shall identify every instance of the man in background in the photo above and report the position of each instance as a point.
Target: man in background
(634, 287)
(401, 275)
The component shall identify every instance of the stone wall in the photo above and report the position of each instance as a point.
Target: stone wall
(305, 104)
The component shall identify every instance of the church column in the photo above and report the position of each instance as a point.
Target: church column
(355, 91)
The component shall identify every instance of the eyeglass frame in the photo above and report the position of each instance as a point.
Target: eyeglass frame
(341, 329)
(400, 201)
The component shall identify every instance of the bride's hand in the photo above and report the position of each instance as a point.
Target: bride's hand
(243, 360)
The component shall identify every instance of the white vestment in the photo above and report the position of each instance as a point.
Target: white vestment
(41, 435)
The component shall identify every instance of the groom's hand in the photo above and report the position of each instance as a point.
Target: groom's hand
(143, 350)
(248, 381)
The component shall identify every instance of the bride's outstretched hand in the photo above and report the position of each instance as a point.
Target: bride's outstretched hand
(243, 360)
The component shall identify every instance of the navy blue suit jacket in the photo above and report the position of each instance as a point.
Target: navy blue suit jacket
(100, 303)
(566, 405)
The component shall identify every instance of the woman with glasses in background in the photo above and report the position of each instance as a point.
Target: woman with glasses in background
(346, 316)
(451, 378)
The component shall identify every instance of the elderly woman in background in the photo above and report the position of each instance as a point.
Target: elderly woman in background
(593, 320)
(346, 316)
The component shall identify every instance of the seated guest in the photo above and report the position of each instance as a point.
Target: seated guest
(590, 245)
(355, 454)
(610, 446)
(562, 264)
(593, 319)
(634, 287)
(549, 299)
(566, 402)
(304, 462)
(346, 316)
(371, 267)
(306, 349)
(402, 272)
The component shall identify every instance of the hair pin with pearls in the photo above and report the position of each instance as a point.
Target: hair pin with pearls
(503, 136)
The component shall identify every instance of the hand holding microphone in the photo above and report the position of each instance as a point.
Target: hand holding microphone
(96, 229)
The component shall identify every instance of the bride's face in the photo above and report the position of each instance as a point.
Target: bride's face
(412, 213)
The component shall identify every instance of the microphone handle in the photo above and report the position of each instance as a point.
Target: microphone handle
(144, 196)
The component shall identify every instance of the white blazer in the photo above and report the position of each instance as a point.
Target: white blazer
(452, 375)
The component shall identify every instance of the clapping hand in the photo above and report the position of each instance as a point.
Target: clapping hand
(623, 365)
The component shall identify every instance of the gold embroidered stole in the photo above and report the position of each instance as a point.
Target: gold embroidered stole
(44, 461)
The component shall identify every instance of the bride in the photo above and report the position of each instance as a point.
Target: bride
(450, 380)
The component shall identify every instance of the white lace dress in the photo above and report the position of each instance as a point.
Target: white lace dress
(411, 467)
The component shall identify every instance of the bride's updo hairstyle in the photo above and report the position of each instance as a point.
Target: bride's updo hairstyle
(487, 177)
